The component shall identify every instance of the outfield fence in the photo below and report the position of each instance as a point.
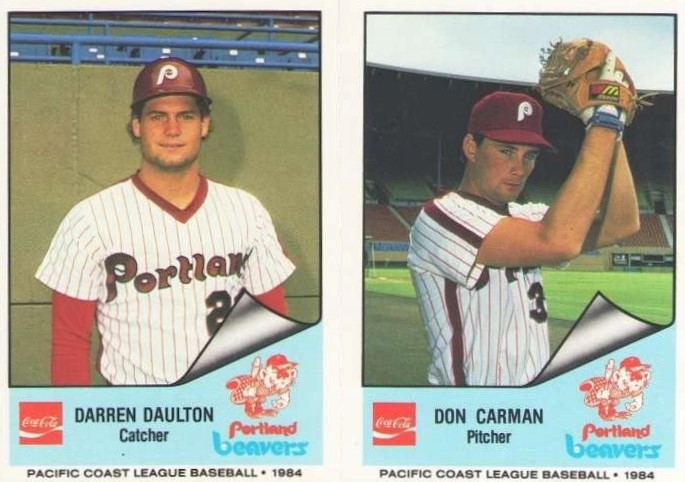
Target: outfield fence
(615, 258)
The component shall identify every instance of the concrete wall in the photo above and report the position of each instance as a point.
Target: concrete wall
(68, 140)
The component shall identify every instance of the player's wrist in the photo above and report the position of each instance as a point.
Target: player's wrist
(608, 116)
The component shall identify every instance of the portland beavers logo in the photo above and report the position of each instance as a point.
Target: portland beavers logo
(270, 385)
(629, 381)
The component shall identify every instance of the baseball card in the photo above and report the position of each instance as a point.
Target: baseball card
(518, 247)
(164, 291)
(341, 240)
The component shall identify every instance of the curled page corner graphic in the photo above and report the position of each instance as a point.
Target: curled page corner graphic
(247, 328)
(601, 329)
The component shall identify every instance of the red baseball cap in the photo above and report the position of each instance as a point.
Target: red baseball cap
(166, 76)
(509, 117)
(278, 360)
(633, 362)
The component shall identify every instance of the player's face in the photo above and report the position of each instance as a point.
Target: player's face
(498, 171)
(171, 130)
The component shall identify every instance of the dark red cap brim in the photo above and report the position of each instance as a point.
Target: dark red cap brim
(516, 136)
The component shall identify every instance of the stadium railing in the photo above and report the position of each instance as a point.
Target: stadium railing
(182, 21)
(109, 48)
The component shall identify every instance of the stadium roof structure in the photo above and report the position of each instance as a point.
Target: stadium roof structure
(470, 78)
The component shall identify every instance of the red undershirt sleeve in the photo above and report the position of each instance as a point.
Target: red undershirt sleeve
(275, 300)
(72, 324)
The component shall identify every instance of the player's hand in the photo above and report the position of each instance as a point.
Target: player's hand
(634, 405)
(587, 79)
(607, 115)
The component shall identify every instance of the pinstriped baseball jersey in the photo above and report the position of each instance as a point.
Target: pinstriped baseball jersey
(163, 277)
(485, 325)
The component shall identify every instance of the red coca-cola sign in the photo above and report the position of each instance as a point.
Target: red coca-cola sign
(40, 423)
(394, 423)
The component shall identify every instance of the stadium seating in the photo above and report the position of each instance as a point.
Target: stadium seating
(382, 225)
(409, 213)
(401, 169)
(651, 233)
(241, 40)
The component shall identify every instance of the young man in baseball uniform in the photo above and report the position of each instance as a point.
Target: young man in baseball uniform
(157, 260)
(475, 254)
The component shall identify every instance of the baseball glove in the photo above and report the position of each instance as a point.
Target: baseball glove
(581, 74)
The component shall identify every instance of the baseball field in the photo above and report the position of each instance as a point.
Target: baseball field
(395, 349)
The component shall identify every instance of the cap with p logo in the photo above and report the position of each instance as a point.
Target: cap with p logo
(509, 117)
(168, 76)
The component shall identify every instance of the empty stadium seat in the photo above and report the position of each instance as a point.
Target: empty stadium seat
(382, 225)
(651, 233)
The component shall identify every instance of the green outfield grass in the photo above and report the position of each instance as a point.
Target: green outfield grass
(648, 296)
(395, 348)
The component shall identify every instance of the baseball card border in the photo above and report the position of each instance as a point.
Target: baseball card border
(382, 462)
(308, 408)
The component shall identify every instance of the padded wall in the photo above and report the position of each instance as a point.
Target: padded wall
(68, 140)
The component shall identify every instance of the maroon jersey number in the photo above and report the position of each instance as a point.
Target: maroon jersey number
(219, 303)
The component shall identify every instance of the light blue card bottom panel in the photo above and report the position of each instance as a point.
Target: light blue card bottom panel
(198, 423)
(577, 419)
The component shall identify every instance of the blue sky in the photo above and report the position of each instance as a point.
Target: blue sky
(506, 46)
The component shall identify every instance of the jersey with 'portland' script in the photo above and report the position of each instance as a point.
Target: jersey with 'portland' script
(164, 278)
(485, 325)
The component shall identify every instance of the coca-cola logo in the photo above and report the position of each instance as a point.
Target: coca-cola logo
(40, 423)
(394, 423)
(397, 422)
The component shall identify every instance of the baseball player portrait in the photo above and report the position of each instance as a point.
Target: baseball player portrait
(504, 200)
(159, 258)
(475, 253)
(149, 198)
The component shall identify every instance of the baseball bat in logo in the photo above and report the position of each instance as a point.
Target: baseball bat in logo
(40, 423)
(394, 423)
